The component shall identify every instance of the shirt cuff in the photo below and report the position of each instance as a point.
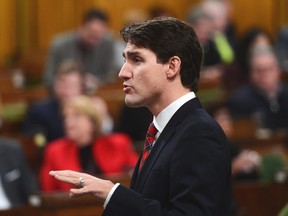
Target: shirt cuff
(110, 194)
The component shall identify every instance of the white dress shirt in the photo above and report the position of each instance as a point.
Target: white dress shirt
(160, 122)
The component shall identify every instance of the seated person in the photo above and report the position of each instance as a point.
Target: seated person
(16, 179)
(254, 37)
(91, 46)
(245, 163)
(84, 148)
(45, 119)
(265, 99)
(202, 24)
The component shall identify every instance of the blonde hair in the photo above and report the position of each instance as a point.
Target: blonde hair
(84, 105)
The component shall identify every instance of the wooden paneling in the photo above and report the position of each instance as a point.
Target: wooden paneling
(30, 24)
(37, 21)
(259, 13)
(7, 29)
(282, 12)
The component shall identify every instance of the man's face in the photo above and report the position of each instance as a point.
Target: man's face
(265, 72)
(144, 78)
(92, 32)
(67, 86)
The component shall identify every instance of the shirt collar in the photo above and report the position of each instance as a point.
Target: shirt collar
(165, 115)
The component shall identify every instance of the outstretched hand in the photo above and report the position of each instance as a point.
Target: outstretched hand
(84, 183)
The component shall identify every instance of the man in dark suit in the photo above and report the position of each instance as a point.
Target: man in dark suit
(265, 98)
(187, 171)
(17, 181)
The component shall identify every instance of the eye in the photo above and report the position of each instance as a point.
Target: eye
(136, 60)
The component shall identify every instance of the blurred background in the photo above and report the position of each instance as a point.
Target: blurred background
(55, 52)
(29, 25)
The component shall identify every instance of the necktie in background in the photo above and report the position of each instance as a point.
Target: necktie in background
(150, 138)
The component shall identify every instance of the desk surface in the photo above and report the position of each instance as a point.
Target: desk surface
(253, 198)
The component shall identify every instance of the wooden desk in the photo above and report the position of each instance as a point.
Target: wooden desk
(59, 204)
(260, 199)
(253, 198)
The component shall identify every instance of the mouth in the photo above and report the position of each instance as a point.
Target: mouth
(127, 88)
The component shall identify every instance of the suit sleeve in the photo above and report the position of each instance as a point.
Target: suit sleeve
(199, 174)
(28, 179)
(26, 184)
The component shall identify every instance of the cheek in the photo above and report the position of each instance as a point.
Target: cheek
(85, 126)
(73, 89)
(70, 125)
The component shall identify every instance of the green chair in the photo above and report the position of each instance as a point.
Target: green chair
(284, 211)
(270, 164)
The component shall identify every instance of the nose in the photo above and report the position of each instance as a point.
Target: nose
(125, 72)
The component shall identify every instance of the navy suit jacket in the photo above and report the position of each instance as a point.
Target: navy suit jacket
(45, 117)
(186, 173)
(250, 102)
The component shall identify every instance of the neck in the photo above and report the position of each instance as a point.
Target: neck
(166, 100)
(84, 141)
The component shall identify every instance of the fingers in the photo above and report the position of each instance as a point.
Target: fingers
(68, 176)
(64, 173)
(76, 192)
(85, 183)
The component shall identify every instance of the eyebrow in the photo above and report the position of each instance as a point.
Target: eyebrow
(131, 53)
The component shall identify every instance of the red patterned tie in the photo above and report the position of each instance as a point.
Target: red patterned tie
(150, 138)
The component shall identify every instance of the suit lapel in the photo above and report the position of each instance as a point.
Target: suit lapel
(135, 173)
(139, 179)
(151, 159)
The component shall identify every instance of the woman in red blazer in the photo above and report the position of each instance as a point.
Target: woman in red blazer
(84, 149)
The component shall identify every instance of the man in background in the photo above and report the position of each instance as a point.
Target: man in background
(90, 46)
(265, 98)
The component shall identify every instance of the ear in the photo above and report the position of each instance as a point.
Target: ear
(174, 67)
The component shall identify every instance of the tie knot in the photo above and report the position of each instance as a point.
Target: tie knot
(152, 131)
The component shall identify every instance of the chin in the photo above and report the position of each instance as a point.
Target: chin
(133, 103)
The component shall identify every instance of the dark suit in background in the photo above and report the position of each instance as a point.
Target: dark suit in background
(45, 118)
(250, 101)
(16, 178)
(186, 173)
